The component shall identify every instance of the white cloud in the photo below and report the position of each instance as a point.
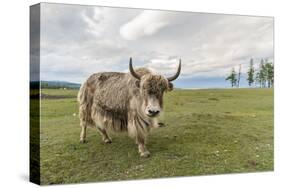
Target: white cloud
(93, 22)
(146, 23)
(77, 41)
(163, 64)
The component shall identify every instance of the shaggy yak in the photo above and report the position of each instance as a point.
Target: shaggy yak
(123, 102)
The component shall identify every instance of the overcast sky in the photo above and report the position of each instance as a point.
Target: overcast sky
(77, 41)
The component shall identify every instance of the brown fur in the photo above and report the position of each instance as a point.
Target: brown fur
(115, 101)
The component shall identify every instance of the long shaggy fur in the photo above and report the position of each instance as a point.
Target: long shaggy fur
(108, 99)
(114, 101)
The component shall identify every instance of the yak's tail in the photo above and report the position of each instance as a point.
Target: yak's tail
(82, 94)
(85, 100)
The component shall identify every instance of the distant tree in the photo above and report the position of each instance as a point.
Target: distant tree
(44, 85)
(257, 79)
(272, 74)
(269, 73)
(239, 76)
(232, 78)
(265, 74)
(262, 74)
(251, 73)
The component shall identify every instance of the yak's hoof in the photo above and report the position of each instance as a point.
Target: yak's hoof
(160, 124)
(107, 141)
(83, 141)
(145, 154)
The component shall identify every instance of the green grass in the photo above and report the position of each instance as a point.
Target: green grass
(206, 132)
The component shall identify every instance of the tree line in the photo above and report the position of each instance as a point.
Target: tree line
(262, 77)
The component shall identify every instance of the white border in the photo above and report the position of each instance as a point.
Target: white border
(14, 131)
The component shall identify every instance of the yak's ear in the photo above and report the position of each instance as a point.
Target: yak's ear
(170, 86)
(137, 82)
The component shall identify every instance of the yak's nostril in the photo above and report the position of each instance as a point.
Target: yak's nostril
(156, 112)
(153, 112)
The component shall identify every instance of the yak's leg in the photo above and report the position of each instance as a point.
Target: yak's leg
(141, 146)
(83, 132)
(104, 135)
(135, 132)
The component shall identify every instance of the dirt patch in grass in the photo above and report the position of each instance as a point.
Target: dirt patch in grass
(46, 96)
(213, 99)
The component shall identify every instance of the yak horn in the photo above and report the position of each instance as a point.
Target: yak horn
(176, 75)
(133, 73)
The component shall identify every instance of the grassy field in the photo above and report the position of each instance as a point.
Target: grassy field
(205, 132)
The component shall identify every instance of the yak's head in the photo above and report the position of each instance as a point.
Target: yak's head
(152, 88)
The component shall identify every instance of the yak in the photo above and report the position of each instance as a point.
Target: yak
(132, 102)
